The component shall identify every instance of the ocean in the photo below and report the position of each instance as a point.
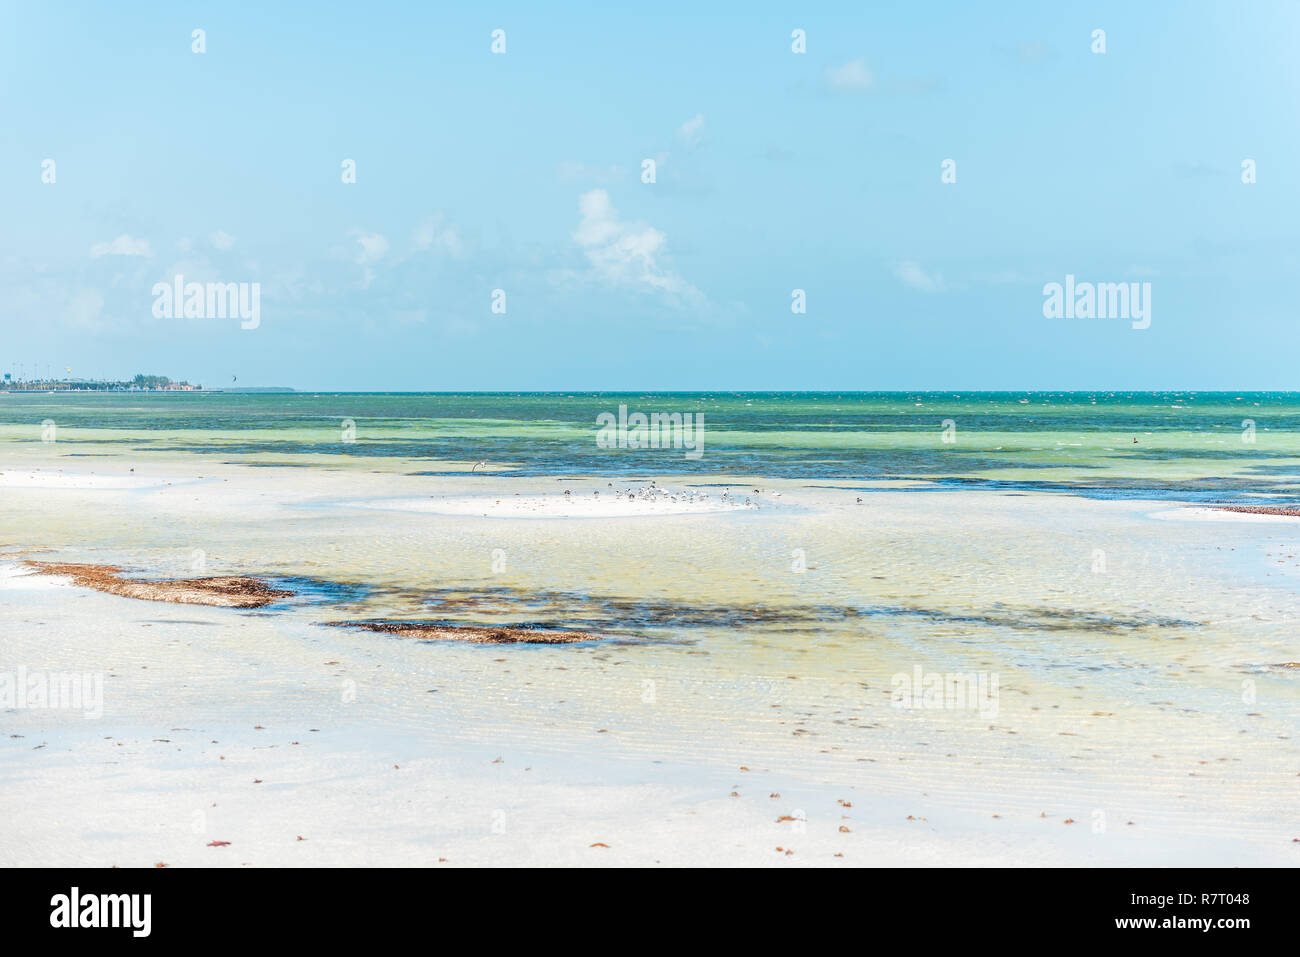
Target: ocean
(1198, 446)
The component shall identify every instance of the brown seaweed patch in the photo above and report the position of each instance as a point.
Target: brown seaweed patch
(231, 591)
(1289, 510)
(476, 635)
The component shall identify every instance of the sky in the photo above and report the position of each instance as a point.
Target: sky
(516, 178)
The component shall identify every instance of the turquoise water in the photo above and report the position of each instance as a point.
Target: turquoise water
(1196, 446)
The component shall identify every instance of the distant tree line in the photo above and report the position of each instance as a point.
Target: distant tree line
(140, 381)
(152, 381)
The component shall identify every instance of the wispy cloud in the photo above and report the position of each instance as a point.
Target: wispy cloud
(83, 309)
(372, 247)
(1200, 169)
(222, 240)
(124, 245)
(1034, 52)
(570, 170)
(911, 274)
(853, 77)
(693, 131)
(436, 236)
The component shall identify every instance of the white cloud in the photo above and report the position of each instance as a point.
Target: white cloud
(373, 248)
(1031, 52)
(437, 237)
(625, 254)
(124, 245)
(692, 132)
(911, 274)
(852, 77)
(222, 239)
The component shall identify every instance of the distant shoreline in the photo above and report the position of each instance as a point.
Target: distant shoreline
(276, 390)
(957, 394)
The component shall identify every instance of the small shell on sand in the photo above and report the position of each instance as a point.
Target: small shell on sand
(504, 635)
(228, 592)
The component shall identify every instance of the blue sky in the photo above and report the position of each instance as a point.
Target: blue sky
(775, 171)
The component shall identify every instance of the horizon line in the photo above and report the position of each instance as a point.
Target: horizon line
(291, 390)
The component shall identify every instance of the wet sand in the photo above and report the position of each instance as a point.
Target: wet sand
(758, 699)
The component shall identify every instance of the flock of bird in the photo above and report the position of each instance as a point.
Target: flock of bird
(654, 493)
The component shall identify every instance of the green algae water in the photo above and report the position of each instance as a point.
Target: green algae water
(1193, 446)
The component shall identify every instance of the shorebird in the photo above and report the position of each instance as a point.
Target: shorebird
(484, 462)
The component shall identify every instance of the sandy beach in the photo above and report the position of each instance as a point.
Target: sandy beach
(1143, 714)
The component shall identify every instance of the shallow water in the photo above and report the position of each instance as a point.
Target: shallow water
(1198, 443)
(1134, 652)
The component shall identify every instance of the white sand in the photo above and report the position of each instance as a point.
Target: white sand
(402, 765)
(15, 577)
(78, 481)
(216, 740)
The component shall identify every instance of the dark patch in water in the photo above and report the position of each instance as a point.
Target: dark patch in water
(614, 614)
(508, 634)
(1199, 491)
(1053, 619)
(461, 473)
(320, 591)
(265, 465)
